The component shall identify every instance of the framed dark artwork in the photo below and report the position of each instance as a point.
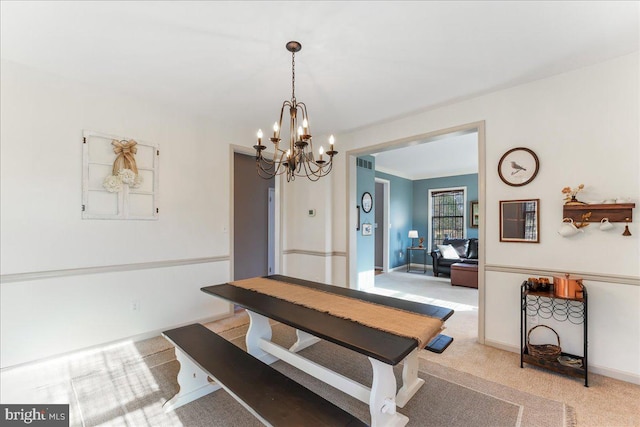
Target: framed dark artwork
(520, 221)
(474, 214)
(367, 202)
(518, 166)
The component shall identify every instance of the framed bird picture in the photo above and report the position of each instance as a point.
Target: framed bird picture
(518, 166)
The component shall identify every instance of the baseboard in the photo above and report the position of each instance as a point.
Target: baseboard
(502, 346)
(133, 338)
(413, 266)
(593, 369)
(615, 374)
(157, 332)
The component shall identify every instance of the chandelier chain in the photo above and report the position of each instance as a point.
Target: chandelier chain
(293, 76)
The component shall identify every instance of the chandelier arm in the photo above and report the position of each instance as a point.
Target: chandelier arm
(325, 168)
(268, 162)
(305, 115)
(284, 104)
(263, 172)
(310, 174)
(317, 173)
(274, 157)
(271, 171)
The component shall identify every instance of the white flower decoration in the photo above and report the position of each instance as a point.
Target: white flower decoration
(127, 176)
(130, 178)
(112, 184)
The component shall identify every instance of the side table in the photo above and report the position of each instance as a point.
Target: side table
(410, 251)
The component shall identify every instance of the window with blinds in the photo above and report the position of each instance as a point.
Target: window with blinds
(447, 215)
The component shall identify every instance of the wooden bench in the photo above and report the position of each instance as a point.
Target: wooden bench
(271, 396)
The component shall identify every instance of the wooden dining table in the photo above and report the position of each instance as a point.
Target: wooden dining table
(383, 349)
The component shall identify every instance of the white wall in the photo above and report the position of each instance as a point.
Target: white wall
(584, 127)
(307, 252)
(42, 231)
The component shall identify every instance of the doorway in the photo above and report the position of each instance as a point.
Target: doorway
(356, 275)
(253, 220)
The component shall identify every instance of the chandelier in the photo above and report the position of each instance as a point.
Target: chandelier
(297, 158)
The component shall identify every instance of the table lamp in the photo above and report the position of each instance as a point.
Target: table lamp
(413, 234)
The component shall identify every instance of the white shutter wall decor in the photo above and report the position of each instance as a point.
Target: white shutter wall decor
(132, 201)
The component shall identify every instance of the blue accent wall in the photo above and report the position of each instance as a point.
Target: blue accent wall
(409, 210)
(421, 195)
(366, 244)
(401, 217)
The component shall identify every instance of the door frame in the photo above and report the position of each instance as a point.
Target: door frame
(277, 223)
(386, 184)
(351, 211)
(271, 232)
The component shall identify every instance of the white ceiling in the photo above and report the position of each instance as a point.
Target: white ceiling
(361, 62)
(448, 156)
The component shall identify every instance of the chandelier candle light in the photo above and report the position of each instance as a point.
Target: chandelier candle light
(298, 159)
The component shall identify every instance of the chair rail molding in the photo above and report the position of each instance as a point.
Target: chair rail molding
(313, 253)
(607, 278)
(49, 274)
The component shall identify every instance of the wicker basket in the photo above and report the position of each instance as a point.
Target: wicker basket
(544, 351)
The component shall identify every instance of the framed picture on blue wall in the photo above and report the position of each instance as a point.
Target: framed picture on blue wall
(367, 202)
(367, 229)
(474, 214)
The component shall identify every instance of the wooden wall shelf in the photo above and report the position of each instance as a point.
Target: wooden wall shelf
(616, 212)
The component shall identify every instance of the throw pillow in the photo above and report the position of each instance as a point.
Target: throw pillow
(448, 252)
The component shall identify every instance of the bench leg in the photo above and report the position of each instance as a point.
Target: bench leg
(193, 381)
(382, 405)
(304, 340)
(259, 328)
(410, 381)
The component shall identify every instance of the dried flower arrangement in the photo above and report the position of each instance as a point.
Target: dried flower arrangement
(571, 193)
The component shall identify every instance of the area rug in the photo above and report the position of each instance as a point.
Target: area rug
(133, 392)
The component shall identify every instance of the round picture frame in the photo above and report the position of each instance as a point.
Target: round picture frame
(367, 202)
(518, 166)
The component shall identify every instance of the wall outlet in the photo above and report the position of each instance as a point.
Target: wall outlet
(135, 305)
(401, 254)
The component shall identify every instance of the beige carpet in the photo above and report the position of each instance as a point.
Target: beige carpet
(130, 390)
(126, 384)
(448, 398)
(606, 402)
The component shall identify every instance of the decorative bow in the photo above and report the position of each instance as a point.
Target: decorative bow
(125, 151)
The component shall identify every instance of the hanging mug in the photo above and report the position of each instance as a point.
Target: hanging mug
(568, 228)
(605, 224)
